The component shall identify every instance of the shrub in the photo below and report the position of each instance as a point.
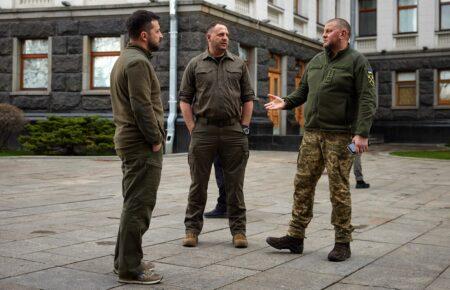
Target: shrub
(11, 123)
(69, 136)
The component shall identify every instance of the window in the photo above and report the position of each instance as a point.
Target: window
(34, 65)
(273, 15)
(367, 17)
(444, 14)
(104, 53)
(243, 6)
(244, 53)
(407, 16)
(320, 10)
(405, 89)
(301, 7)
(248, 54)
(444, 87)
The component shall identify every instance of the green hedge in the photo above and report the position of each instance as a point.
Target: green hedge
(69, 136)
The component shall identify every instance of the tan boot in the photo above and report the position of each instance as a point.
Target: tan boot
(240, 241)
(190, 240)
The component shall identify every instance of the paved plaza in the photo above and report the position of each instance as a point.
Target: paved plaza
(59, 218)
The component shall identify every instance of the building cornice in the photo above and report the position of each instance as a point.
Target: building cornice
(408, 54)
(157, 7)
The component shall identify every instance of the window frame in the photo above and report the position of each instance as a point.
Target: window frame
(439, 81)
(94, 54)
(23, 57)
(252, 64)
(298, 4)
(441, 4)
(411, 84)
(366, 10)
(318, 2)
(407, 7)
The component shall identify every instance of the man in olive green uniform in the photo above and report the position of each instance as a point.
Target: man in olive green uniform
(139, 118)
(339, 90)
(216, 100)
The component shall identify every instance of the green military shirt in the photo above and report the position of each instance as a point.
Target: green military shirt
(216, 89)
(136, 103)
(339, 93)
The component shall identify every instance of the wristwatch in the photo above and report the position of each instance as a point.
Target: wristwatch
(245, 129)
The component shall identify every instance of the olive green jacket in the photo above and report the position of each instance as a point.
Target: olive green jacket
(136, 104)
(339, 93)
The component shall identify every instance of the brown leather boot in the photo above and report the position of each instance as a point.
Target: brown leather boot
(240, 241)
(190, 240)
(340, 252)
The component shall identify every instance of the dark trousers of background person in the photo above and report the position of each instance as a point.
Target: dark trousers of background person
(222, 199)
(357, 168)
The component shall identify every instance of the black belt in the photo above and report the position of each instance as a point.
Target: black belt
(217, 122)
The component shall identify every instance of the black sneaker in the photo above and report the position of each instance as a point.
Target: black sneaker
(362, 184)
(295, 245)
(340, 252)
(217, 212)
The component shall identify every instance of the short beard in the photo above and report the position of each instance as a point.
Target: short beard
(152, 46)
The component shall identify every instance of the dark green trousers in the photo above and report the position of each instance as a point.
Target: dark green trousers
(231, 145)
(141, 176)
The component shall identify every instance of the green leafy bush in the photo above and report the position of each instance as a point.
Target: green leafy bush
(69, 136)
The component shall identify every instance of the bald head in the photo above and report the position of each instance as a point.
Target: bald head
(342, 24)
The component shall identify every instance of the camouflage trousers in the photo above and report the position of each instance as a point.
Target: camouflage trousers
(321, 150)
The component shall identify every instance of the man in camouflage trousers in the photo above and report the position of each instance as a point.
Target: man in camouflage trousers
(339, 91)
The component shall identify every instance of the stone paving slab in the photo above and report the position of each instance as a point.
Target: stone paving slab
(317, 261)
(285, 278)
(345, 286)
(392, 277)
(59, 218)
(63, 278)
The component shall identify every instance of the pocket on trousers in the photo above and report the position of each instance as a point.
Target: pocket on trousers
(155, 158)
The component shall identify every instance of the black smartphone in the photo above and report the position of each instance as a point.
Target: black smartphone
(351, 148)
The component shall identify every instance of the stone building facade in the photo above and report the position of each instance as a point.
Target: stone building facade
(409, 52)
(69, 32)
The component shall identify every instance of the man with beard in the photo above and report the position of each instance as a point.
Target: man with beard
(339, 90)
(216, 100)
(139, 119)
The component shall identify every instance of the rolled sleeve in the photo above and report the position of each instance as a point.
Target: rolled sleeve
(247, 92)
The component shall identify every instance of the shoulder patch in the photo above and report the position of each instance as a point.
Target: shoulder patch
(370, 77)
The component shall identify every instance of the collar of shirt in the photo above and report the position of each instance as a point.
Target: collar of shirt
(338, 54)
(147, 53)
(207, 55)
